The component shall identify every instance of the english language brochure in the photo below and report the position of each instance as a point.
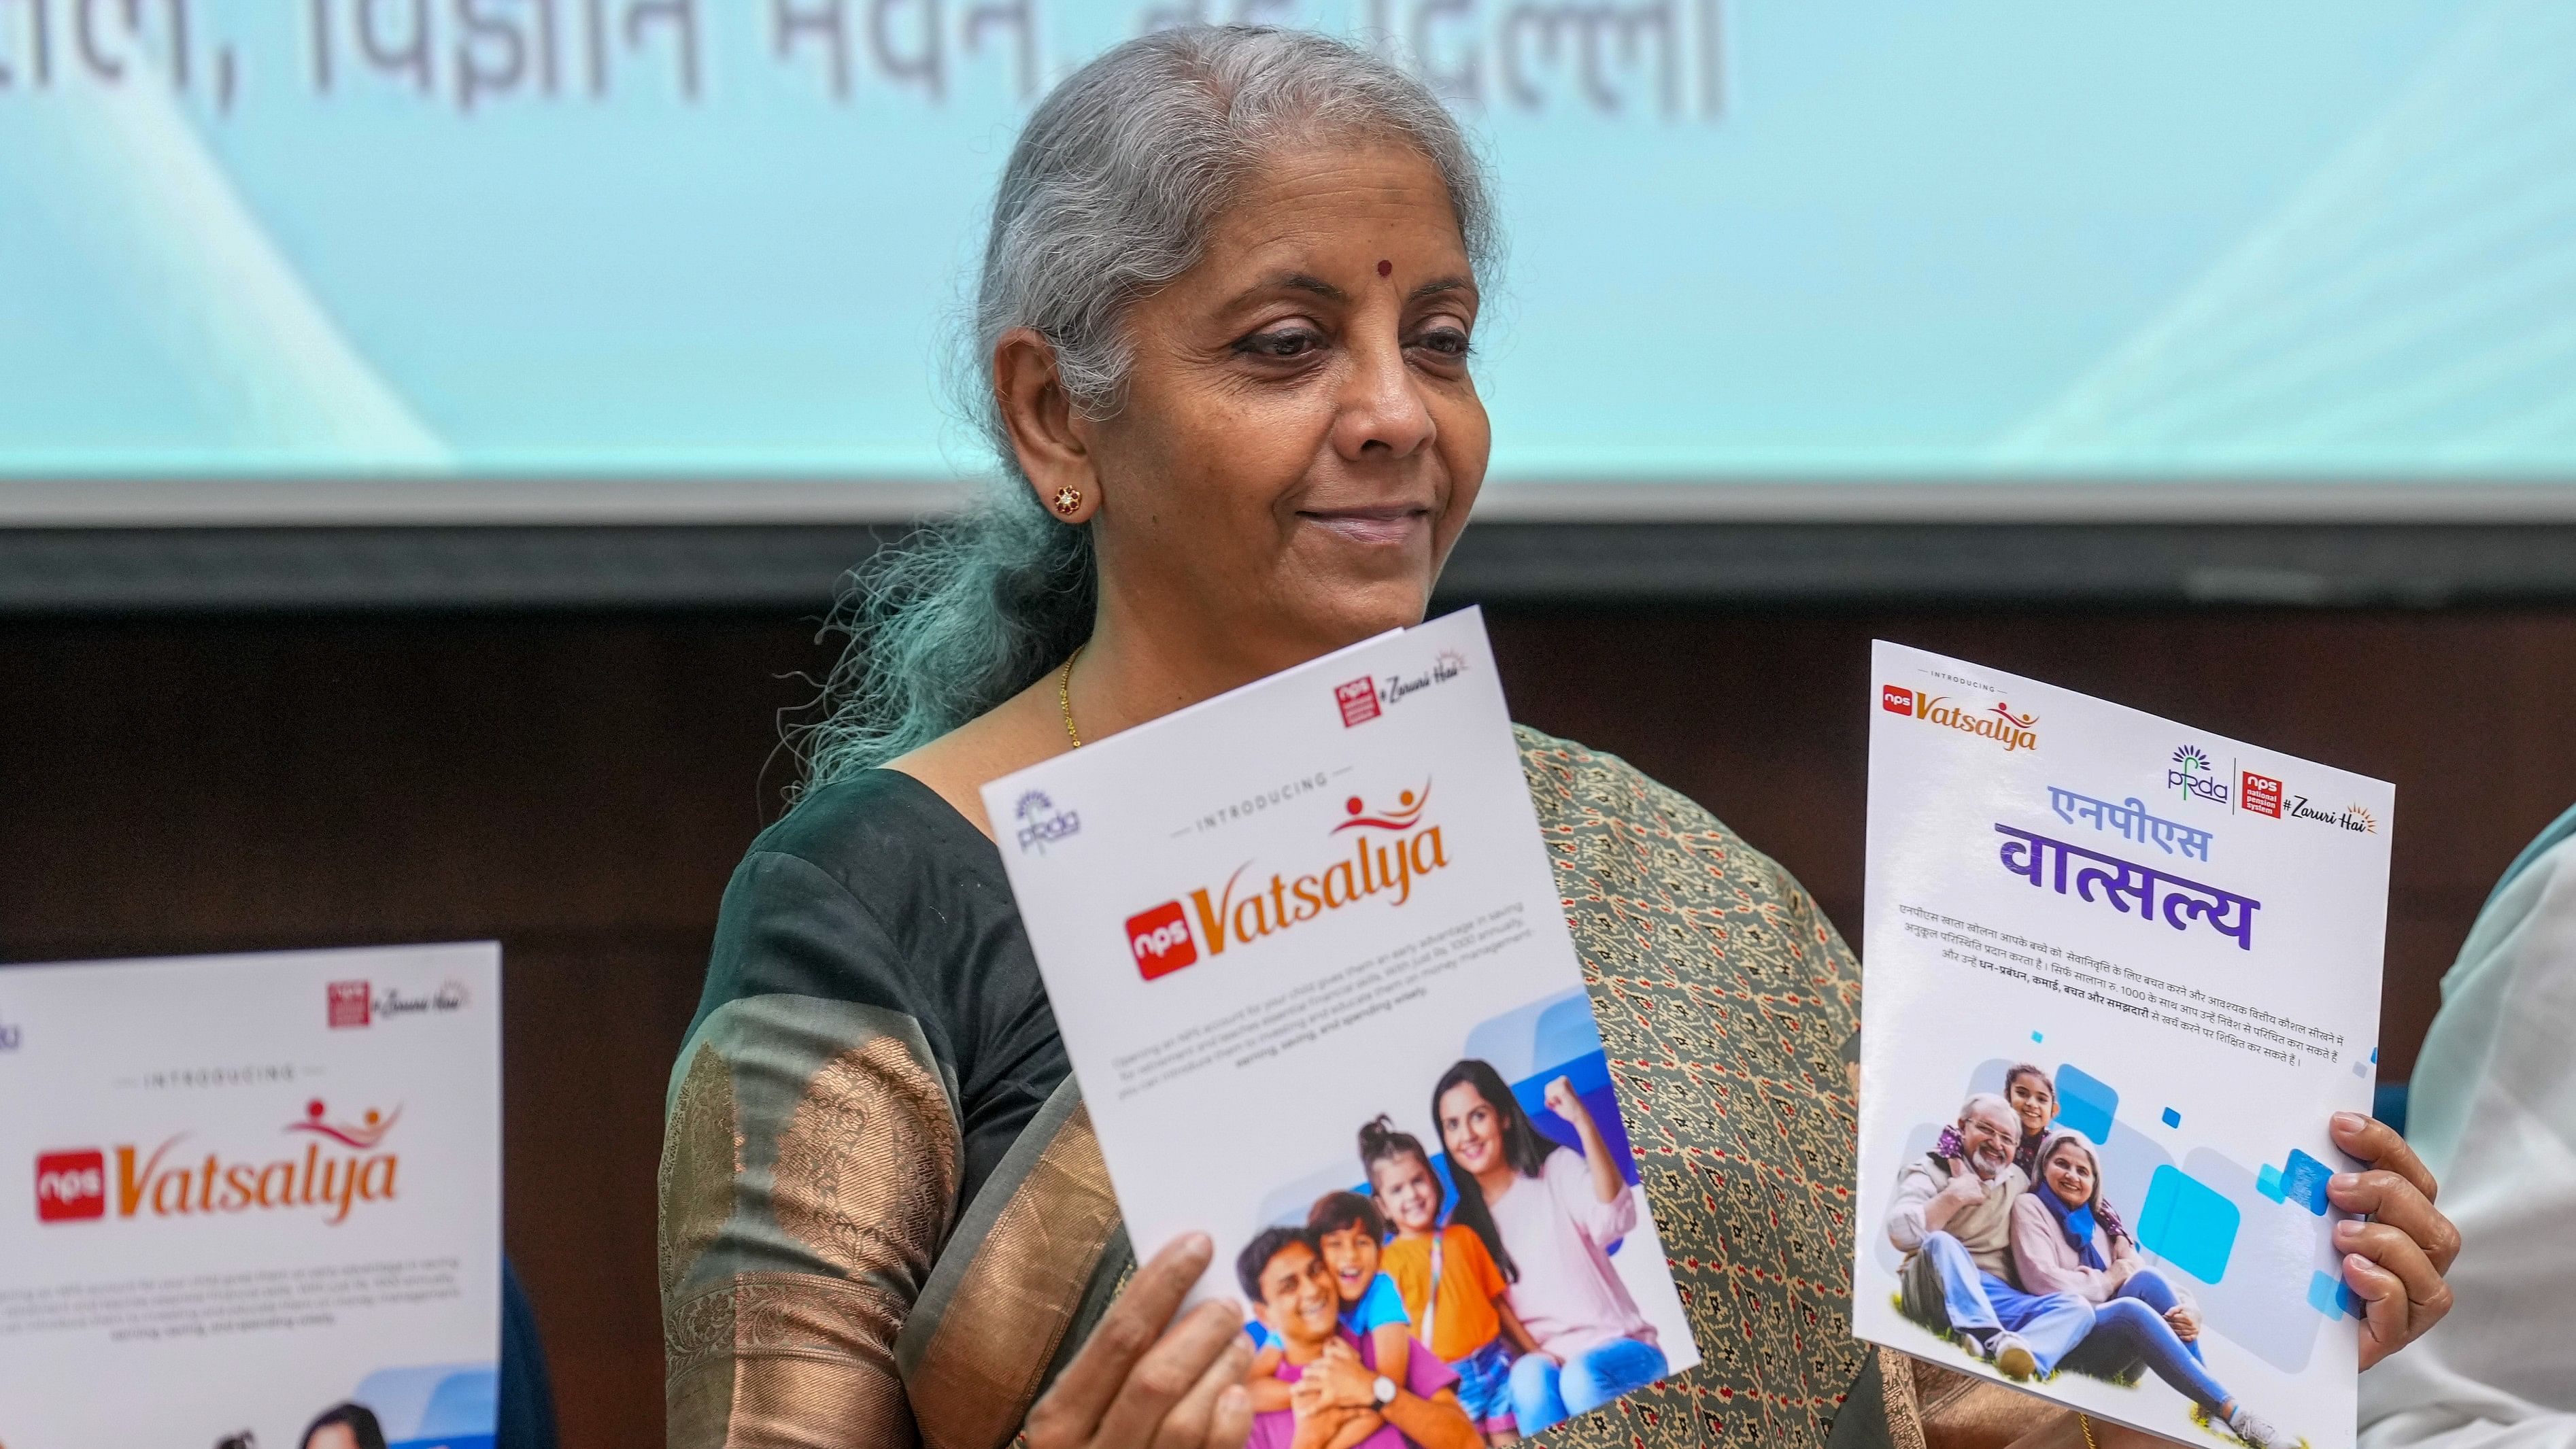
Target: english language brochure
(265, 1186)
(1305, 948)
(2118, 973)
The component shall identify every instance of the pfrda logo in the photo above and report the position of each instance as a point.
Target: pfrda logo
(2192, 774)
(343, 1165)
(1390, 848)
(1040, 823)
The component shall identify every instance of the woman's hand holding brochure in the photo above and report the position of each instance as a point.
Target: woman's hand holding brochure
(2395, 1261)
(1137, 1382)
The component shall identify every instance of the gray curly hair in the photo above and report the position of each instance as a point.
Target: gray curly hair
(1107, 195)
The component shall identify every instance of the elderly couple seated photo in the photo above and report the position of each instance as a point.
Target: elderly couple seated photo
(2012, 1251)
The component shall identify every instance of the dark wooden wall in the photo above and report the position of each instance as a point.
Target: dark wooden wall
(579, 787)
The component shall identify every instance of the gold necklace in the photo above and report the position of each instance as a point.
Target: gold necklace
(2086, 1425)
(1064, 695)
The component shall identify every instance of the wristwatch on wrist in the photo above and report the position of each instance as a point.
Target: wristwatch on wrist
(1385, 1391)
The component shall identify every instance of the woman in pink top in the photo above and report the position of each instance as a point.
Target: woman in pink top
(1547, 1216)
(2066, 1239)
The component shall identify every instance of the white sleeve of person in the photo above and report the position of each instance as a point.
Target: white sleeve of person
(2493, 1114)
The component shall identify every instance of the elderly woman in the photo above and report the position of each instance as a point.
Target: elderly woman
(2067, 1239)
(1226, 322)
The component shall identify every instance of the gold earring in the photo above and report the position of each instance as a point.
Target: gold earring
(1068, 501)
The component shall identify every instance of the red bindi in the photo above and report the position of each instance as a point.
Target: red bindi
(1385, 269)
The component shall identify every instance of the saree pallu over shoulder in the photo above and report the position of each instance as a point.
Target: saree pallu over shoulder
(1725, 1000)
(819, 1286)
(1033, 1264)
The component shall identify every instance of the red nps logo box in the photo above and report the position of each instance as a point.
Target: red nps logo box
(1160, 938)
(71, 1186)
(1896, 699)
(349, 1003)
(1358, 700)
(2262, 794)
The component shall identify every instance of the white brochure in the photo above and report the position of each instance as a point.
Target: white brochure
(256, 1188)
(1274, 918)
(2118, 973)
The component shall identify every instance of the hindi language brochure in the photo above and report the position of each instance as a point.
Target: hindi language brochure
(1319, 907)
(2118, 974)
(257, 1188)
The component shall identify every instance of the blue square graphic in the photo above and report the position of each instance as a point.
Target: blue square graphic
(2034, 1036)
(2268, 1182)
(2325, 1295)
(2172, 1117)
(2191, 1224)
(2085, 1103)
(2303, 1181)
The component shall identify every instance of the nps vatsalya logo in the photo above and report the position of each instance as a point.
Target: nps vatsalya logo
(341, 1165)
(1389, 848)
(1999, 722)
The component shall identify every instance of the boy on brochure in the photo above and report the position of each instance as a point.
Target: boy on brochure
(1338, 1398)
(1347, 1229)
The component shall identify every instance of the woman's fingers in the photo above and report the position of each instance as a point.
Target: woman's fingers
(2392, 1200)
(2378, 1144)
(1232, 1424)
(2387, 1316)
(1167, 1372)
(1190, 1424)
(1073, 1408)
(2396, 1253)
(2421, 1297)
(2393, 1263)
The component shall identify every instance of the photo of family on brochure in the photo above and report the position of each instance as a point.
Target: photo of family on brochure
(1463, 1291)
(2011, 1251)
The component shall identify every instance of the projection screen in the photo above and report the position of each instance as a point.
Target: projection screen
(630, 260)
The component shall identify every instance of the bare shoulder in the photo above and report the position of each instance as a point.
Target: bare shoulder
(1013, 735)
